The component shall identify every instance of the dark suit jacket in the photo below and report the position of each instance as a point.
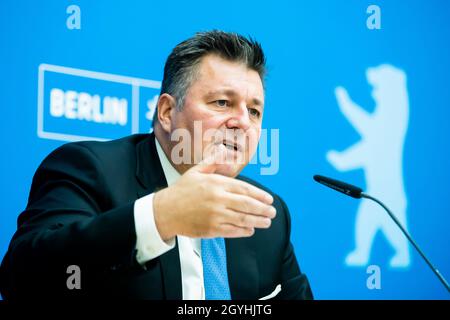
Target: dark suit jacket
(80, 212)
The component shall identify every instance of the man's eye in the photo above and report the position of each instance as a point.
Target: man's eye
(222, 103)
(254, 112)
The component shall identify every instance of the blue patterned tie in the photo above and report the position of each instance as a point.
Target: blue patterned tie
(215, 276)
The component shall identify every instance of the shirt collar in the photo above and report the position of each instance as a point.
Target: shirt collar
(170, 172)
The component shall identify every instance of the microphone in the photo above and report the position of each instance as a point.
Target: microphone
(356, 192)
(340, 186)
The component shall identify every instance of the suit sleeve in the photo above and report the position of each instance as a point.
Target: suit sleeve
(295, 285)
(67, 222)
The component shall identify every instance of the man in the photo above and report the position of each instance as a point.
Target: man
(140, 218)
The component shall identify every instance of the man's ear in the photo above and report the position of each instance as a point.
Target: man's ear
(166, 107)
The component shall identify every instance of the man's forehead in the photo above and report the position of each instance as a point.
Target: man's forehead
(217, 75)
(214, 65)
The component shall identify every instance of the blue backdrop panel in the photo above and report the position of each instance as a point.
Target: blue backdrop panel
(366, 106)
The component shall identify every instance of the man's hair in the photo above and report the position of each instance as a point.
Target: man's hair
(181, 66)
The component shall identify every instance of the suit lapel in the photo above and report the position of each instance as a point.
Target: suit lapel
(242, 267)
(171, 274)
(151, 178)
(149, 171)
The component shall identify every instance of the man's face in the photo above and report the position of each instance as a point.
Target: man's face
(225, 99)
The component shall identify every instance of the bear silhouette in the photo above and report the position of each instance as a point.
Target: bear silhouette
(380, 154)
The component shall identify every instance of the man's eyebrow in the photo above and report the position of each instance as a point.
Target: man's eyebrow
(231, 93)
(228, 92)
(257, 102)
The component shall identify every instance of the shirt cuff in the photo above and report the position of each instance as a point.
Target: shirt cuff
(149, 244)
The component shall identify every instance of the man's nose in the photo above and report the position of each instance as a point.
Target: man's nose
(240, 118)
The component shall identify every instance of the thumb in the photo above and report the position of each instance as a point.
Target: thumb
(210, 162)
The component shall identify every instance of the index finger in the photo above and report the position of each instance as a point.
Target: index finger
(245, 188)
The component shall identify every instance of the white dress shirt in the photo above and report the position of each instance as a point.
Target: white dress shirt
(149, 244)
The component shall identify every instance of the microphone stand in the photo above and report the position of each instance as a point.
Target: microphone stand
(435, 270)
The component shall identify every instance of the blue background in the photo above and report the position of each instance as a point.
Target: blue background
(312, 47)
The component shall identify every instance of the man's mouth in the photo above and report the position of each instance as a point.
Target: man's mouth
(232, 146)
